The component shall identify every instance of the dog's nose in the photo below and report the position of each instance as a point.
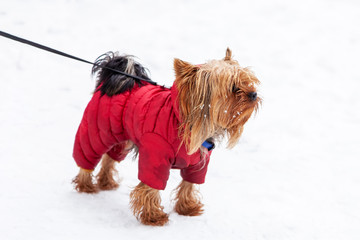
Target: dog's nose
(252, 96)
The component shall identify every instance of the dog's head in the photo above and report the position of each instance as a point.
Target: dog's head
(215, 99)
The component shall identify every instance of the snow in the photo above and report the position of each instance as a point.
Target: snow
(294, 174)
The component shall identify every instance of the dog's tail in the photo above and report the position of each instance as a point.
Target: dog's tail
(110, 82)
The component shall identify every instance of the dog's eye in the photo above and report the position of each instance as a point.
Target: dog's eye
(235, 89)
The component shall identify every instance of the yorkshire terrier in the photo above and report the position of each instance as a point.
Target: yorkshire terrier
(168, 127)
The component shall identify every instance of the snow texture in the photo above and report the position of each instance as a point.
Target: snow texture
(293, 176)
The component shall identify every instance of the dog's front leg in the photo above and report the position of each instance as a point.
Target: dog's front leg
(188, 200)
(146, 205)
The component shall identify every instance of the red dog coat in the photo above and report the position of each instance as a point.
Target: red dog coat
(149, 117)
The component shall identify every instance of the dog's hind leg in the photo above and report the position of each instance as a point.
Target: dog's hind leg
(188, 200)
(84, 182)
(105, 177)
(108, 173)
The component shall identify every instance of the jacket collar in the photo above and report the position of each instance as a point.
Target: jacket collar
(175, 101)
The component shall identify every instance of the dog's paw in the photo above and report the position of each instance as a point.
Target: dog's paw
(84, 187)
(189, 208)
(187, 199)
(104, 183)
(83, 182)
(157, 218)
(146, 205)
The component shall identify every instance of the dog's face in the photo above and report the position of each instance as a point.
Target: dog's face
(216, 99)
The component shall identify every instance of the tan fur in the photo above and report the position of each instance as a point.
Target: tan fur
(105, 178)
(146, 205)
(208, 105)
(188, 200)
(84, 182)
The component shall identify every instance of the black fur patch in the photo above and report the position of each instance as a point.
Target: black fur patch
(112, 83)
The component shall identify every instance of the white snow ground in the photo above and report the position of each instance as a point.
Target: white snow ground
(295, 173)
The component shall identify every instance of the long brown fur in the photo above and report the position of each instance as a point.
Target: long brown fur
(209, 106)
(146, 205)
(188, 200)
(84, 182)
(105, 178)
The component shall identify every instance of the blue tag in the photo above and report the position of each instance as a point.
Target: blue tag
(209, 145)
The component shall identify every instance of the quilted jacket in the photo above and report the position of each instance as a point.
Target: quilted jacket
(149, 117)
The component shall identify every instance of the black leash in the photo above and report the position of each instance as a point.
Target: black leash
(207, 144)
(37, 45)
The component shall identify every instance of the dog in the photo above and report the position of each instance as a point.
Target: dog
(169, 128)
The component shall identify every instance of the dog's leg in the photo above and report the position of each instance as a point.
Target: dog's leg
(146, 205)
(188, 200)
(105, 177)
(84, 182)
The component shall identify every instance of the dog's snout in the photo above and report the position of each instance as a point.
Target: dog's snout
(252, 96)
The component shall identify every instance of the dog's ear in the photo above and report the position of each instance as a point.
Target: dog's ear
(184, 69)
(228, 55)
